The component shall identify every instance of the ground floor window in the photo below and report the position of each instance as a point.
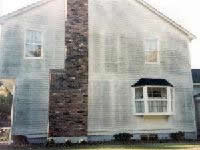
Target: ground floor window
(153, 100)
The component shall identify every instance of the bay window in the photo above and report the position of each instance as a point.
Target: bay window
(153, 100)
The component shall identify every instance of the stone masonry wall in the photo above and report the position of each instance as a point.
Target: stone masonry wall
(68, 106)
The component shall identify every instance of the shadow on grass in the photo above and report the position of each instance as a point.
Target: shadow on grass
(137, 147)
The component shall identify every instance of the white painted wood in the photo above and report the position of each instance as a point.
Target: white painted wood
(146, 109)
(196, 88)
(169, 100)
(135, 23)
(30, 116)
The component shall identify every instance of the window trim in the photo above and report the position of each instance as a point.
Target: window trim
(196, 84)
(145, 99)
(158, 50)
(42, 44)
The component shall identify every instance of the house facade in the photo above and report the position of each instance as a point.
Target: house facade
(128, 42)
(90, 69)
(32, 43)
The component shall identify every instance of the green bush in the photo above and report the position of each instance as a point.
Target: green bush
(177, 136)
(123, 137)
(6, 103)
(50, 143)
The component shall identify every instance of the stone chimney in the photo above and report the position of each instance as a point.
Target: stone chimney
(68, 98)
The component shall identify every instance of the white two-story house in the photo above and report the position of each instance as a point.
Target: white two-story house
(91, 69)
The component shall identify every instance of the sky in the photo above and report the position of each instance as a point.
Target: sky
(184, 12)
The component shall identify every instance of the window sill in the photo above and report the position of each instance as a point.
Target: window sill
(152, 63)
(154, 114)
(28, 58)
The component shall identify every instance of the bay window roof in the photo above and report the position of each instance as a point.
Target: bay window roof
(152, 82)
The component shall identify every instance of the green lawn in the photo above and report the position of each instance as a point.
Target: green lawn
(166, 146)
(141, 147)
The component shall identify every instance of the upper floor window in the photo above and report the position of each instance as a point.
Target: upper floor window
(33, 45)
(151, 51)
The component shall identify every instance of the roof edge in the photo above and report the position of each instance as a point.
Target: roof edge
(169, 20)
(144, 3)
(152, 82)
(22, 10)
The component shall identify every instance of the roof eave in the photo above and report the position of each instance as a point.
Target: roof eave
(192, 37)
(8, 16)
(170, 21)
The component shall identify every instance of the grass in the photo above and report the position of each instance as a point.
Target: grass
(163, 146)
(167, 146)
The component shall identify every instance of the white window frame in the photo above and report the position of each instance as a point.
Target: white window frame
(146, 99)
(139, 99)
(146, 50)
(196, 84)
(42, 44)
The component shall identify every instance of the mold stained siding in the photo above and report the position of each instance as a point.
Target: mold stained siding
(110, 96)
(32, 75)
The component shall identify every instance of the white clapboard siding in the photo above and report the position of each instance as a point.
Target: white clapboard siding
(32, 76)
(120, 27)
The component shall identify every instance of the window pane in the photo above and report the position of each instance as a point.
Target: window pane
(29, 50)
(33, 44)
(33, 50)
(28, 37)
(37, 52)
(157, 106)
(139, 105)
(38, 38)
(33, 37)
(32, 34)
(151, 56)
(151, 45)
(139, 93)
(172, 99)
(154, 92)
(171, 92)
(151, 50)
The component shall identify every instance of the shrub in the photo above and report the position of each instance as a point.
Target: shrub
(123, 137)
(177, 136)
(68, 143)
(153, 137)
(20, 140)
(50, 143)
(83, 142)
